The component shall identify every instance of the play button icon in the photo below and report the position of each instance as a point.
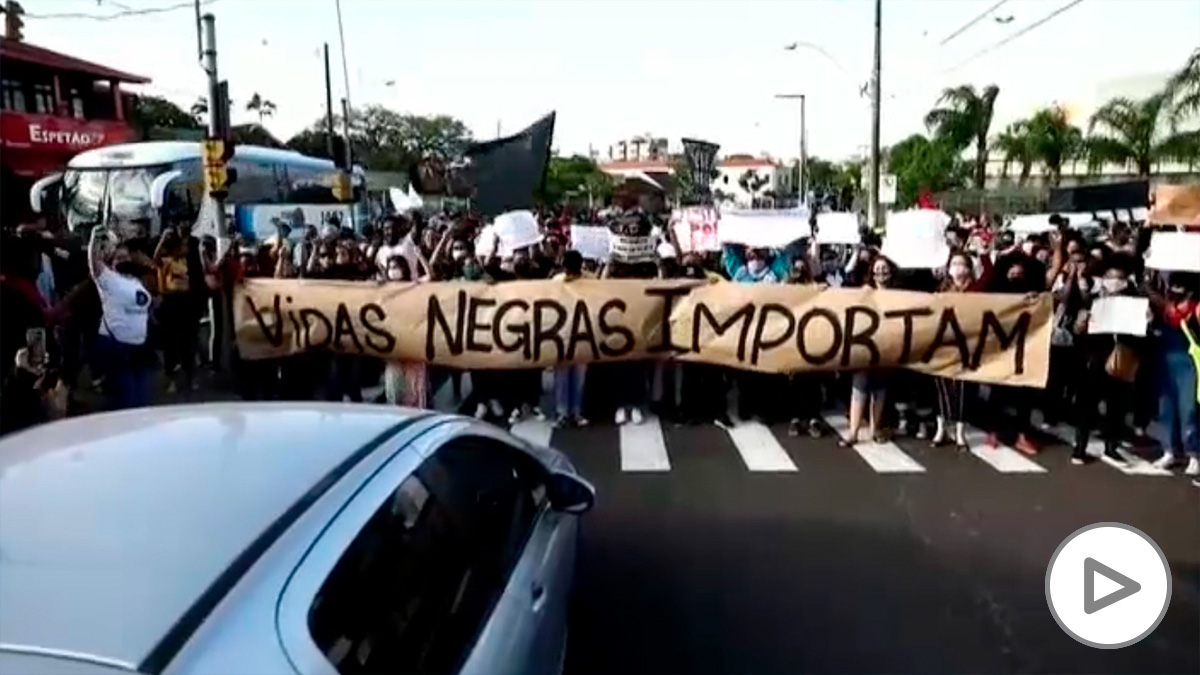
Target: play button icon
(1079, 586)
(1092, 567)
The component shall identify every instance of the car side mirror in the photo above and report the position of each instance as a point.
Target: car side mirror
(569, 493)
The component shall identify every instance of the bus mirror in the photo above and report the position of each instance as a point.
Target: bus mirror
(39, 190)
(158, 189)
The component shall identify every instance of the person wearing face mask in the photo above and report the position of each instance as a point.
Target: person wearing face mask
(405, 383)
(1177, 326)
(123, 341)
(1071, 290)
(868, 388)
(1017, 274)
(1102, 379)
(569, 379)
(758, 394)
(952, 394)
(702, 386)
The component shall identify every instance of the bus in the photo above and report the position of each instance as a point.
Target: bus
(144, 184)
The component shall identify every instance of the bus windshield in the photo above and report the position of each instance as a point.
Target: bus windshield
(126, 191)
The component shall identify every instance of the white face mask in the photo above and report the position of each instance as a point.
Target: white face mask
(1027, 247)
(395, 274)
(755, 266)
(458, 254)
(1114, 285)
(959, 272)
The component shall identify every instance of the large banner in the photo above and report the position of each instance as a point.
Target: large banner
(1001, 339)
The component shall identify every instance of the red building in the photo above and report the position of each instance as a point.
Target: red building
(52, 107)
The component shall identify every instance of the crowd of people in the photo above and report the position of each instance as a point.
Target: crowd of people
(129, 312)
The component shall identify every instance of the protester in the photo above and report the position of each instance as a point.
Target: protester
(869, 387)
(569, 379)
(124, 347)
(1177, 325)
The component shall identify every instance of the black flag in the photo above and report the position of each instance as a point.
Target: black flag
(701, 157)
(506, 173)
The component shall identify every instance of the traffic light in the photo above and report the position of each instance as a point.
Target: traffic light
(13, 23)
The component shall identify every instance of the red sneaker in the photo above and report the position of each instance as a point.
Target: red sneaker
(991, 441)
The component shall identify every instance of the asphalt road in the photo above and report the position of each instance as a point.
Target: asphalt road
(837, 567)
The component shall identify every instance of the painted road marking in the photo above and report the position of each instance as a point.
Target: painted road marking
(759, 448)
(643, 447)
(537, 432)
(1001, 458)
(881, 457)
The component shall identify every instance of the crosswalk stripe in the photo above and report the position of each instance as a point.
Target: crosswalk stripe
(882, 457)
(759, 448)
(537, 432)
(643, 447)
(1001, 458)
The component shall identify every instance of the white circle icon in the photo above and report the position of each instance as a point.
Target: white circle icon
(1108, 585)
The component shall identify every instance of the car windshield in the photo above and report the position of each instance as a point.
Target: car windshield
(126, 190)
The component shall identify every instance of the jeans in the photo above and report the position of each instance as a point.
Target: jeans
(568, 390)
(1178, 407)
(127, 373)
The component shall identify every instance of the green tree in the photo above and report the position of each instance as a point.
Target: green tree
(1138, 132)
(963, 118)
(386, 140)
(254, 134)
(822, 174)
(1053, 140)
(261, 107)
(752, 182)
(1183, 90)
(921, 164)
(576, 175)
(1014, 143)
(198, 110)
(156, 111)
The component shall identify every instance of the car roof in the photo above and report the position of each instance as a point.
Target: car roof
(112, 526)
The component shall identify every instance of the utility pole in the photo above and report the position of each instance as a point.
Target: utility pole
(217, 154)
(802, 179)
(329, 145)
(217, 116)
(873, 193)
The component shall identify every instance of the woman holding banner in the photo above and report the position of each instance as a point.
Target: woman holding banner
(952, 393)
(868, 388)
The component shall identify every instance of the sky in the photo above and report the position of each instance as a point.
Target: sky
(617, 68)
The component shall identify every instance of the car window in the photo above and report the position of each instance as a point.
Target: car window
(412, 591)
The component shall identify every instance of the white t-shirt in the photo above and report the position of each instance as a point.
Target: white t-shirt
(126, 307)
(405, 249)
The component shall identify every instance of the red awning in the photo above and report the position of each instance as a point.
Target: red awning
(27, 53)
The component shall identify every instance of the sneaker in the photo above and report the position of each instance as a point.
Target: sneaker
(1193, 467)
(538, 414)
(794, 428)
(581, 422)
(481, 411)
(922, 431)
(514, 416)
(991, 441)
(1111, 453)
(1026, 446)
(496, 409)
(562, 421)
(1196, 483)
(621, 417)
(635, 416)
(1080, 460)
(1166, 461)
(815, 428)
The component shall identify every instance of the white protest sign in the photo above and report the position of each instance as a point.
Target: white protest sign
(516, 229)
(592, 241)
(631, 248)
(1174, 251)
(696, 227)
(1119, 315)
(838, 228)
(916, 239)
(764, 228)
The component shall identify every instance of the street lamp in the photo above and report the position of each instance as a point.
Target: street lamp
(801, 183)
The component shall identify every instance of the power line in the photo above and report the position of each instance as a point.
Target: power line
(962, 29)
(993, 47)
(120, 15)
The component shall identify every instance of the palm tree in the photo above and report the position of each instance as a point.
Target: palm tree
(1183, 90)
(199, 109)
(1126, 131)
(964, 118)
(1053, 140)
(261, 106)
(1014, 142)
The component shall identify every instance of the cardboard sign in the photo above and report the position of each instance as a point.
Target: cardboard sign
(696, 228)
(1174, 251)
(764, 228)
(838, 228)
(592, 241)
(1001, 339)
(916, 239)
(631, 249)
